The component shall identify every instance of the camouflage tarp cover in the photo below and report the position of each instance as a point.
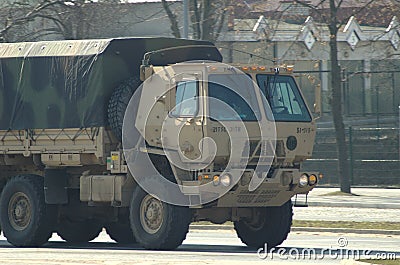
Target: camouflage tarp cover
(67, 84)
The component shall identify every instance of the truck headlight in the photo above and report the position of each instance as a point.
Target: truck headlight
(312, 180)
(303, 180)
(225, 180)
(216, 180)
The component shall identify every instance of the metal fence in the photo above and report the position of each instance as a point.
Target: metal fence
(381, 96)
(374, 156)
(365, 93)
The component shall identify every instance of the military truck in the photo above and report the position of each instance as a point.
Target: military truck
(72, 136)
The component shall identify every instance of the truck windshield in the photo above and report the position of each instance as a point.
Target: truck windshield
(237, 91)
(284, 98)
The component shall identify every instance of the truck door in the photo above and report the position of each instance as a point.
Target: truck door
(183, 129)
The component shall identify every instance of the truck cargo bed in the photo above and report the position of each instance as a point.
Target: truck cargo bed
(57, 147)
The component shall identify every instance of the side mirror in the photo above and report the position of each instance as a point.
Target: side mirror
(317, 102)
(145, 72)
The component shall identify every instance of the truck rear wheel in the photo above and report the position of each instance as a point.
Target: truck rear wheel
(270, 226)
(26, 220)
(78, 231)
(119, 102)
(121, 232)
(156, 224)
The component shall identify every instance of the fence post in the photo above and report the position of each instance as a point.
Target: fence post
(351, 158)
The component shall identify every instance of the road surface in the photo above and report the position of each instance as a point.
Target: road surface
(203, 247)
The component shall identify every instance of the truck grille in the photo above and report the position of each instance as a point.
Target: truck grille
(257, 196)
(259, 152)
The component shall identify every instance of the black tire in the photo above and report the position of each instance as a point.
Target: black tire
(25, 218)
(121, 231)
(119, 102)
(78, 231)
(170, 232)
(271, 227)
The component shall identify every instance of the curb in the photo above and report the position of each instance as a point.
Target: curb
(346, 230)
(354, 262)
(355, 205)
(308, 229)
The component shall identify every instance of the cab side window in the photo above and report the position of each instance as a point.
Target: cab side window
(283, 100)
(186, 99)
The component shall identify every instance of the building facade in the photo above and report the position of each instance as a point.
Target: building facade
(369, 58)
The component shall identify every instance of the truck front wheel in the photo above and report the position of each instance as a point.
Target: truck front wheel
(156, 224)
(26, 220)
(269, 225)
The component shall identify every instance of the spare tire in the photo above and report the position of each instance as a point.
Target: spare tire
(119, 102)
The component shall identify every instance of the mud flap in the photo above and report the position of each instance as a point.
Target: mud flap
(56, 186)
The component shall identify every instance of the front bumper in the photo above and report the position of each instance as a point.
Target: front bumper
(273, 191)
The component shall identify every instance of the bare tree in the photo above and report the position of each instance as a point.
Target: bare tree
(207, 18)
(73, 19)
(172, 18)
(328, 10)
(17, 14)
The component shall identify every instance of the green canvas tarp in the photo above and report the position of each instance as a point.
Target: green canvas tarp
(67, 84)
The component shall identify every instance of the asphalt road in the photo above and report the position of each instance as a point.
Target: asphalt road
(205, 247)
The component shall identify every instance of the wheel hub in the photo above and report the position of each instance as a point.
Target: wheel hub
(19, 211)
(257, 222)
(151, 214)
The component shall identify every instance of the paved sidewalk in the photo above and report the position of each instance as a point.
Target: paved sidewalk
(348, 214)
(377, 198)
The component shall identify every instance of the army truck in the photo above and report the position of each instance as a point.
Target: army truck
(82, 121)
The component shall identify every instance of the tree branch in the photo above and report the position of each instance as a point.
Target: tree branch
(344, 21)
(172, 18)
(313, 7)
(195, 18)
(220, 23)
(28, 16)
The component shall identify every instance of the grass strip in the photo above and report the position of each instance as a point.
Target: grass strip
(339, 193)
(348, 224)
